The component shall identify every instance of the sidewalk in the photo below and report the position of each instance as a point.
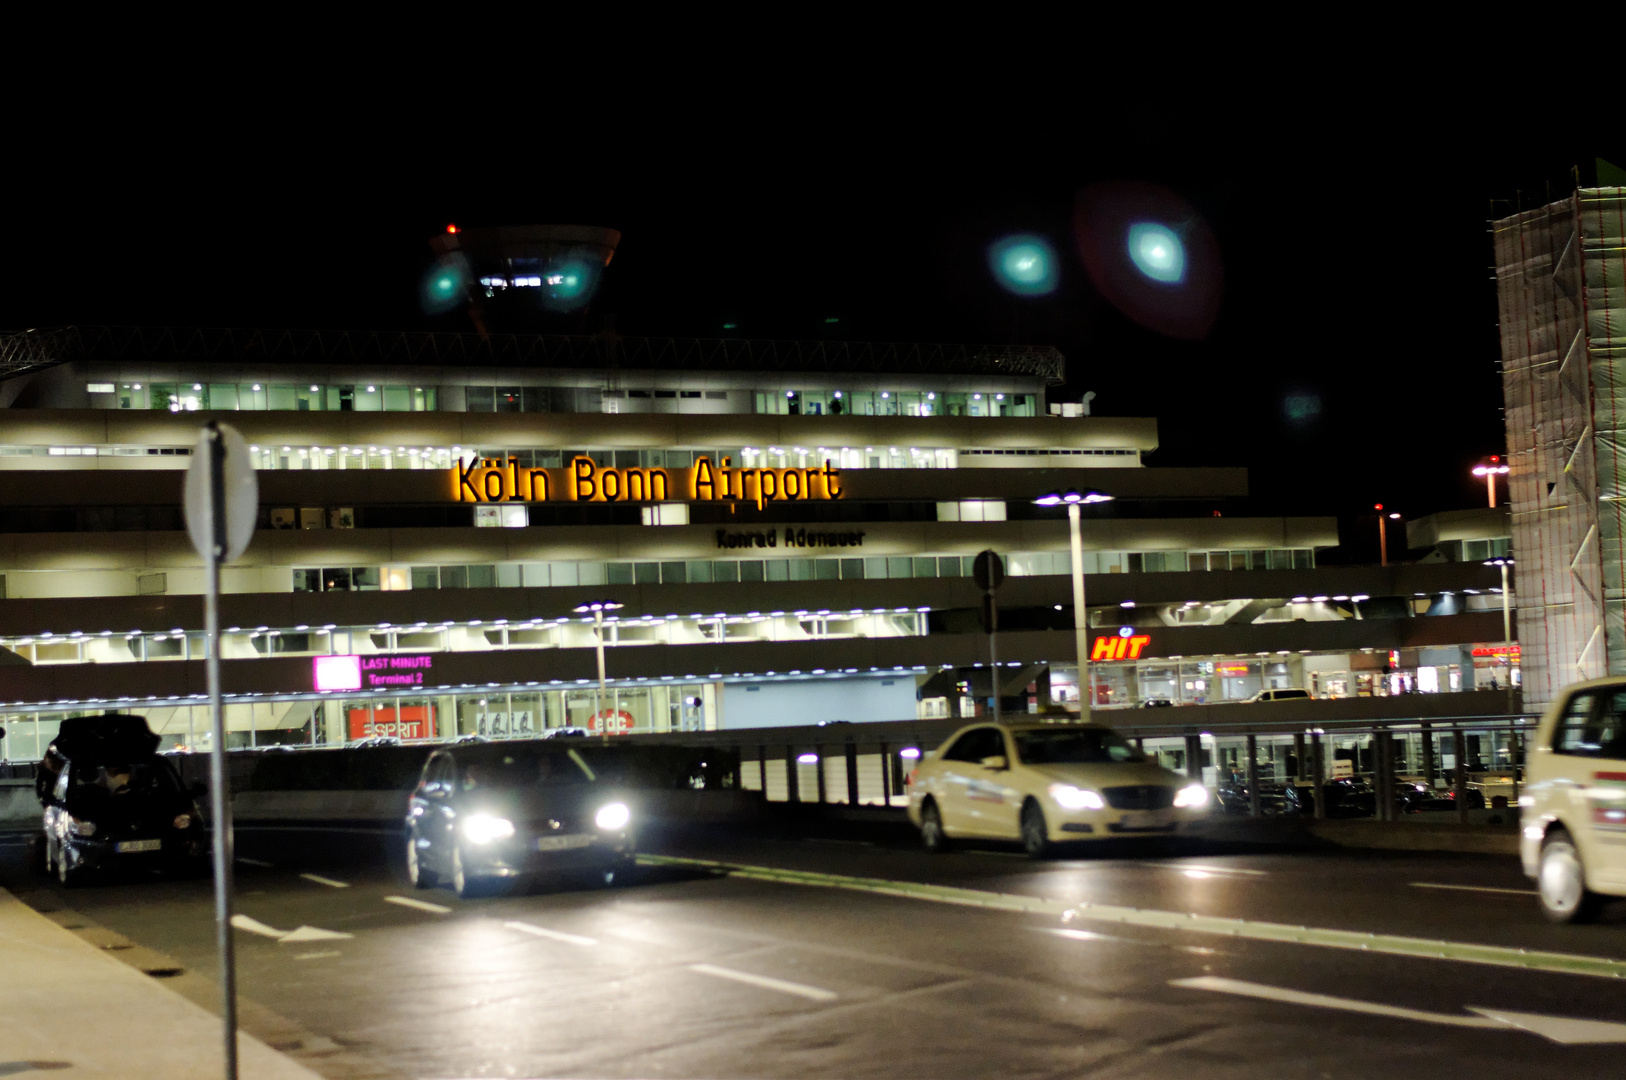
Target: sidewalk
(68, 1009)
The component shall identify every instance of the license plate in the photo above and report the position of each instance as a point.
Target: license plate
(126, 847)
(562, 843)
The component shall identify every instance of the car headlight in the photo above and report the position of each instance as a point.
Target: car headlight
(182, 821)
(81, 828)
(1191, 797)
(484, 828)
(612, 816)
(1069, 797)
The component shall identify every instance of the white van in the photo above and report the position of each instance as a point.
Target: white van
(1573, 807)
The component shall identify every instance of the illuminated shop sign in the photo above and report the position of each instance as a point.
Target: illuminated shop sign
(792, 538)
(407, 722)
(1119, 647)
(370, 672)
(1498, 651)
(489, 480)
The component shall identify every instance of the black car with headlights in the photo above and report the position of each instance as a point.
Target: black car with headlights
(486, 814)
(112, 804)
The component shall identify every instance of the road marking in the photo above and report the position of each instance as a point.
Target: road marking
(1474, 888)
(799, 989)
(1205, 871)
(318, 955)
(1559, 1029)
(1090, 935)
(556, 935)
(255, 926)
(421, 905)
(252, 862)
(329, 882)
(303, 933)
(313, 933)
(1391, 944)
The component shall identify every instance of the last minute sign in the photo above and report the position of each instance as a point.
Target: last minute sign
(489, 480)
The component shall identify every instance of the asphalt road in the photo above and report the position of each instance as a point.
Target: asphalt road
(1078, 966)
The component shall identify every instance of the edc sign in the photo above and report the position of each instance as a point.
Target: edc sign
(490, 480)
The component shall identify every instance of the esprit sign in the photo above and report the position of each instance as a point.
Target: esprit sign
(370, 672)
(490, 480)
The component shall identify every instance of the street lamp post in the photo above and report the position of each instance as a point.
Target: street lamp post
(1507, 628)
(598, 608)
(1383, 533)
(1490, 469)
(1073, 500)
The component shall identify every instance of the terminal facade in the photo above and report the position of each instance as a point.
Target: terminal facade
(787, 528)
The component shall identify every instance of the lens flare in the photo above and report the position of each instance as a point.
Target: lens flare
(443, 287)
(1157, 252)
(1024, 265)
(1150, 254)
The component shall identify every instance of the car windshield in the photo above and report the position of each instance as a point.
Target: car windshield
(1085, 747)
(513, 769)
(93, 786)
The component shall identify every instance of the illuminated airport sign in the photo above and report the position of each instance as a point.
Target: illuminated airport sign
(370, 672)
(489, 480)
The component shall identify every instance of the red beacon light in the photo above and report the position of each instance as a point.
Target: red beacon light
(452, 229)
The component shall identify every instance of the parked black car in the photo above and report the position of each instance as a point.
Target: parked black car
(483, 815)
(113, 804)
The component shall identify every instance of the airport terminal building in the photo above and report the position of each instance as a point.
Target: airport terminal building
(787, 529)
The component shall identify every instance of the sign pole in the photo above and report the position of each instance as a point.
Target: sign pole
(988, 570)
(219, 786)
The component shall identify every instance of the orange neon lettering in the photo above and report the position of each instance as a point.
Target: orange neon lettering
(1103, 648)
(1136, 644)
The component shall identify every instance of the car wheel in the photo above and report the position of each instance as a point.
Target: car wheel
(416, 874)
(932, 835)
(1561, 881)
(464, 885)
(1035, 833)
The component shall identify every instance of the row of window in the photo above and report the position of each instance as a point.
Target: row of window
(381, 397)
(704, 571)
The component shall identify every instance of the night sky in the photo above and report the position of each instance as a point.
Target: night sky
(1355, 251)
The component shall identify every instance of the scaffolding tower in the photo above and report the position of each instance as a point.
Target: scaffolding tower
(1561, 293)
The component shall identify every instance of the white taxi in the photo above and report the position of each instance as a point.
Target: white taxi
(1573, 808)
(1044, 783)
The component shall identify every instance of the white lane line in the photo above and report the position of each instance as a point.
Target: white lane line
(329, 882)
(318, 955)
(252, 862)
(1206, 870)
(421, 905)
(799, 989)
(255, 926)
(1560, 1029)
(1473, 888)
(1088, 935)
(556, 935)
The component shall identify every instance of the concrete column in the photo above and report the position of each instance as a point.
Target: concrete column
(1194, 757)
(1384, 744)
(1460, 746)
(1515, 751)
(824, 794)
(852, 774)
(1299, 769)
(886, 775)
(1430, 762)
(1318, 774)
(793, 781)
(1254, 807)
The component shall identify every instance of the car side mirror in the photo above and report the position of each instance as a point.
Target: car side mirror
(996, 761)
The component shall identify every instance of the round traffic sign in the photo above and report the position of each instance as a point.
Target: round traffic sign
(239, 488)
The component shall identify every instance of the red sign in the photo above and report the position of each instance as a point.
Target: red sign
(1119, 648)
(1499, 651)
(407, 722)
(611, 722)
(1233, 669)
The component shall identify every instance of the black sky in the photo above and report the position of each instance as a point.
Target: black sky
(1354, 240)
